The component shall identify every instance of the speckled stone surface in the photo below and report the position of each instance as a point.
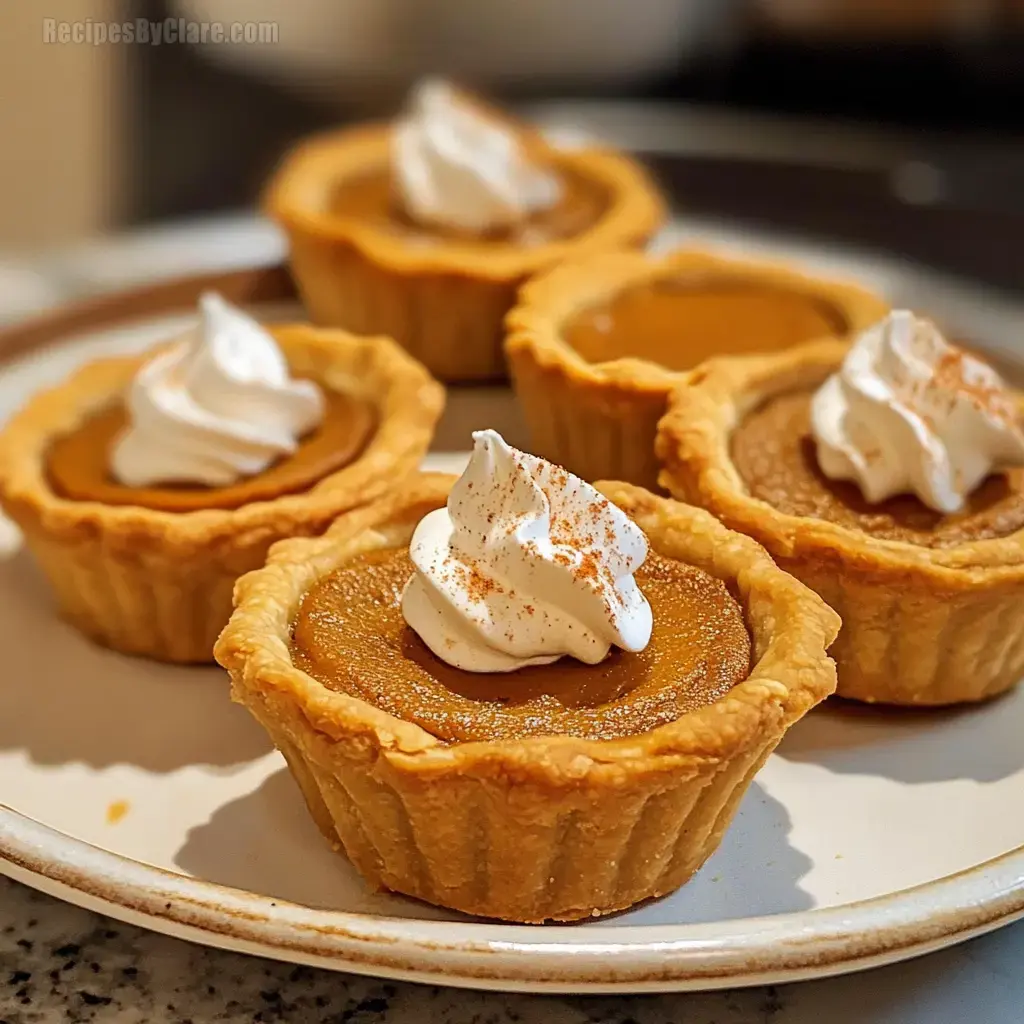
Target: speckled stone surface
(62, 964)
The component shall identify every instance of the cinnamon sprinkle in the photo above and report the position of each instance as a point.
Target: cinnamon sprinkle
(576, 529)
(589, 568)
(478, 585)
(951, 376)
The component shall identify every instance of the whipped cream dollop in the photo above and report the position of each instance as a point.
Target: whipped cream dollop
(215, 407)
(455, 168)
(910, 413)
(527, 563)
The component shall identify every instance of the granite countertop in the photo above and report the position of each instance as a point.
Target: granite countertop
(62, 964)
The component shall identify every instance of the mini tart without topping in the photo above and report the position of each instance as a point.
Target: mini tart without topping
(543, 826)
(442, 297)
(158, 583)
(598, 418)
(926, 620)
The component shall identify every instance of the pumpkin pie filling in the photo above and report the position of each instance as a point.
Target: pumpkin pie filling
(351, 636)
(372, 198)
(679, 321)
(78, 463)
(773, 451)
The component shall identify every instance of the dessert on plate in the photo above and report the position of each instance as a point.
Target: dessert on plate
(145, 485)
(889, 477)
(519, 696)
(596, 345)
(423, 229)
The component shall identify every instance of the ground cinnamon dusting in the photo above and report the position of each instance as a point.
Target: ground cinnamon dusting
(589, 568)
(951, 377)
(477, 584)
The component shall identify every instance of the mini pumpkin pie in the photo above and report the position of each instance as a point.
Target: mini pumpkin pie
(596, 345)
(146, 485)
(521, 697)
(423, 230)
(888, 477)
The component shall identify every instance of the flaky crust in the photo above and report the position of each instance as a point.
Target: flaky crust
(125, 573)
(538, 828)
(599, 419)
(921, 625)
(443, 301)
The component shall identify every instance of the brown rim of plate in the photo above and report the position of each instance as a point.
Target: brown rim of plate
(177, 295)
(612, 958)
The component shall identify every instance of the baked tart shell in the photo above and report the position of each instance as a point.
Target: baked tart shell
(599, 419)
(921, 625)
(540, 828)
(445, 302)
(159, 583)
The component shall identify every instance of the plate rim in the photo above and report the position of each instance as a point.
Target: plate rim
(614, 958)
(772, 949)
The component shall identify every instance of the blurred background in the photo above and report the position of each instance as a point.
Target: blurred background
(892, 124)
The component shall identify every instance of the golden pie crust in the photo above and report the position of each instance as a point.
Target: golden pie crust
(444, 300)
(599, 419)
(921, 625)
(157, 583)
(543, 827)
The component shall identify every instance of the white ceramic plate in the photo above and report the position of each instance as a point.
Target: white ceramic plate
(141, 791)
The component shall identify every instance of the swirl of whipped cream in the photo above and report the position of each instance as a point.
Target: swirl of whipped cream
(214, 408)
(457, 169)
(910, 413)
(526, 564)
